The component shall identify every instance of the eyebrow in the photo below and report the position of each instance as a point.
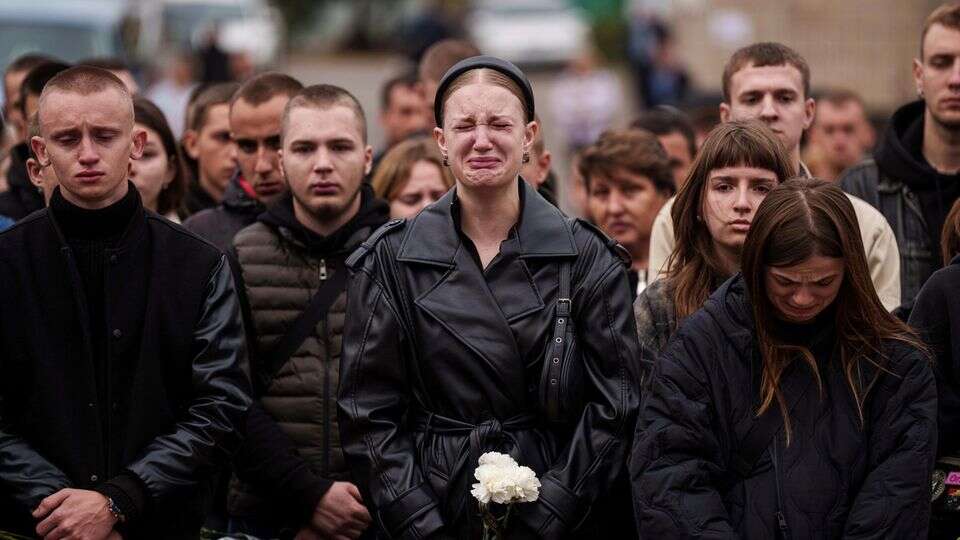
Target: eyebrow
(753, 179)
(788, 278)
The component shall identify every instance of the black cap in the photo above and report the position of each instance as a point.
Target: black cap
(477, 62)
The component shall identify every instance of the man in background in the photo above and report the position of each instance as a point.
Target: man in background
(255, 114)
(841, 134)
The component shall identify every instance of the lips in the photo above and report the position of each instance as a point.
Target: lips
(483, 162)
(268, 188)
(324, 188)
(89, 176)
(619, 227)
(740, 225)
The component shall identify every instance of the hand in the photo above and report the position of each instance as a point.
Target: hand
(307, 533)
(74, 514)
(340, 514)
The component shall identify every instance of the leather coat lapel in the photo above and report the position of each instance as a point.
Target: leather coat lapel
(463, 304)
(511, 283)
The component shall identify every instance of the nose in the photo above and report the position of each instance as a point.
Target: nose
(482, 140)
(614, 203)
(768, 109)
(323, 163)
(954, 80)
(264, 160)
(802, 298)
(88, 152)
(742, 204)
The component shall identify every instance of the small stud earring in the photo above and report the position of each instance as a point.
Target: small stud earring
(526, 157)
(445, 162)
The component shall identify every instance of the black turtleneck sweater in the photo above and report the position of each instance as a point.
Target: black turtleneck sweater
(817, 335)
(90, 234)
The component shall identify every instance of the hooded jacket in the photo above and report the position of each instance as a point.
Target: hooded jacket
(221, 223)
(292, 452)
(836, 478)
(442, 361)
(22, 197)
(936, 315)
(911, 194)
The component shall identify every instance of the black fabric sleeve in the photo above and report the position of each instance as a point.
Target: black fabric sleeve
(268, 460)
(128, 493)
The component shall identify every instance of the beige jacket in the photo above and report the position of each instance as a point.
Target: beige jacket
(880, 246)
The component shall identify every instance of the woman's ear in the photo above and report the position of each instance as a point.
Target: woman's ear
(530, 132)
(441, 140)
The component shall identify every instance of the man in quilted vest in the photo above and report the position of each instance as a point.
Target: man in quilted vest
(292, 475)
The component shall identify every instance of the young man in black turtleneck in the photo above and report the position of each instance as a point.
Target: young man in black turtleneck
(122, 342)
(914, 176)
(295, 477)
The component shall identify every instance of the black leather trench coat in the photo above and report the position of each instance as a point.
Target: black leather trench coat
(442, 362)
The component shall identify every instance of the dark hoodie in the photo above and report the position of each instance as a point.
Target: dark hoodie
(22, 198)
(268, 459)
(900, 155)
(373, 212)
(221, 223)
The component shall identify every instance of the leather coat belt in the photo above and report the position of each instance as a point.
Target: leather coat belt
(488, 431)
(480, 436)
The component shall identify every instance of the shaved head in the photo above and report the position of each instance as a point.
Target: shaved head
(85, 81)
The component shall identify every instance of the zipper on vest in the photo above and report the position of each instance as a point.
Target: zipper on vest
(323, 269)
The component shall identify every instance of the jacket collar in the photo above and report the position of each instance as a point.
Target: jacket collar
(542, 231)
(132, 234)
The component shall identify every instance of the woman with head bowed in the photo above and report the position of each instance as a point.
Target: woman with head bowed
(792, 405)
(737, 166)
(488, 322)
(411, 176)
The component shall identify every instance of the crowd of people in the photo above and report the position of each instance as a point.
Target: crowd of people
(248, 324)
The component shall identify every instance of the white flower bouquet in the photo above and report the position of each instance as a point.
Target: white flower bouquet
(500, 480)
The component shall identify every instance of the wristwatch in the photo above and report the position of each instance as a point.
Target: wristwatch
(115, 510)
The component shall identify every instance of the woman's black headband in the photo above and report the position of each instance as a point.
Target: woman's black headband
(478, 62)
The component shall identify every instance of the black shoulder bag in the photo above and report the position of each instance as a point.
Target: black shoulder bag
(561, 382)
(281, 351)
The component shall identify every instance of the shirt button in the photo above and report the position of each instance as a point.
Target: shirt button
(91, 404)
(114, 259)
(94, 478)
(117, 333)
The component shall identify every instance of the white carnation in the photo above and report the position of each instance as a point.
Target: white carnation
(503, 481)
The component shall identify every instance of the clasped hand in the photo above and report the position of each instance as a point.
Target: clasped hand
(75, 514)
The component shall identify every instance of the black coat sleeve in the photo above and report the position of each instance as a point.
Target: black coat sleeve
(373, 398)
(597, 451)
(205, 435)
(931, 317)
(25, 475)
(894, 500)
(678, 458)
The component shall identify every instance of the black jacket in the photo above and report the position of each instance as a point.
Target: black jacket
(911, 194)
(196, 199)
(221, 223)
(22, 197)
(936, 315)
(442, 361)
(836, 479)
(175, 390)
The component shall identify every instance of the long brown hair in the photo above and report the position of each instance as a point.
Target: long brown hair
(950, 235)
(692, 268)
(797, 220)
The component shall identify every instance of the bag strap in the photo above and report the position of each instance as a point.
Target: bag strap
(563, 311)
(281, 351)
(765, 427)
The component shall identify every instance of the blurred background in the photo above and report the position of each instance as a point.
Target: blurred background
(629, 54)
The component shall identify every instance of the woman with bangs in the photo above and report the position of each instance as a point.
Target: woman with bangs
(792, 405)
(738, 164)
